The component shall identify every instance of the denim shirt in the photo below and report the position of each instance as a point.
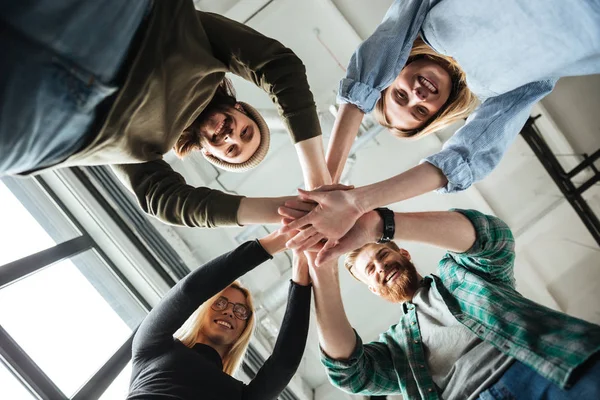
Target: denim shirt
(512, 51)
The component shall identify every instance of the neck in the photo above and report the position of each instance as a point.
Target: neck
(222, 349)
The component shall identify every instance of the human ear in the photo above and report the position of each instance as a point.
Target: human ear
(240, 108)
(405, 253)
(205, 152)
(374, 290)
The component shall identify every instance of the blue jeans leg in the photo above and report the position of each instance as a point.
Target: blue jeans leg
(59, 58)
(520, 382)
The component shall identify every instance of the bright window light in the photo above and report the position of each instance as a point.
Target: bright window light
(70, 318)
(119, 389)
(10, 387)
(21, 234)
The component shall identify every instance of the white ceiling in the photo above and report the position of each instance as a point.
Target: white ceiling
(558, 263)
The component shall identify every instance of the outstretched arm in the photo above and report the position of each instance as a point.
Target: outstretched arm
(312, 162)
(449, 230)
(279, 72)
(345, 129)
(281, 366)
(352, 366)
(156, 331)
(373, 66)
(469, 156)
(164, 194)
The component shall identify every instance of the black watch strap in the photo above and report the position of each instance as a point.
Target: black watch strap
(389, 226)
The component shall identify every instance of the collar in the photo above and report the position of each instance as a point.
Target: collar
(425, 282)
(209, 353)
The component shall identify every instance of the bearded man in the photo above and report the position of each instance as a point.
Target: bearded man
(464, 332)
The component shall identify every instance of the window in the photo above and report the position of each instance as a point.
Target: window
(66, 310)
(12, 388)
(29, 230)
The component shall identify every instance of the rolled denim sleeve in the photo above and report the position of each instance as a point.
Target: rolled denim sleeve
(380, 58)
(477, 148)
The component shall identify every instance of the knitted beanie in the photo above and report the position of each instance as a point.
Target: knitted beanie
(259, 154)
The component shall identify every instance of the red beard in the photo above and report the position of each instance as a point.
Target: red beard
(404, 286)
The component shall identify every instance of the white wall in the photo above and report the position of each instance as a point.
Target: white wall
(575, 107)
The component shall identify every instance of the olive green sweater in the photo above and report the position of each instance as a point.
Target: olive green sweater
(181, 60)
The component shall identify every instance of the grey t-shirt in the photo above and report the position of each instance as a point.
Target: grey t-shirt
(461, 364)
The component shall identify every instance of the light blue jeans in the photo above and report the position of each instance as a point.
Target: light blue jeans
(59, 60)
(520, 382)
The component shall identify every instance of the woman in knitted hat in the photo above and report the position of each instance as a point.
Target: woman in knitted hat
(122, 83)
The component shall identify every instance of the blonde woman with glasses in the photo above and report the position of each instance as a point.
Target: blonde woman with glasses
(193, 341)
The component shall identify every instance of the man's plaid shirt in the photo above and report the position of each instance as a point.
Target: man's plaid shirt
(478, 287)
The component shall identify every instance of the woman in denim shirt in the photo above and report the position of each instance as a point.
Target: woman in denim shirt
(511, 53)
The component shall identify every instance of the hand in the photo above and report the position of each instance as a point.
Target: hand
(332, 217)
(324, 274)
(367, 229)
(300, 269)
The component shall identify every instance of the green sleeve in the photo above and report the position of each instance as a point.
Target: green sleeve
(269, 65)
(163, 193)
(368, 371)
(493, 253)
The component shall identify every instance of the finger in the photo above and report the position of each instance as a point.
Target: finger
(297, 224)
(316, 197)
(335, 186)
(290, 212)
(299, 239)
(310, 242)
(300, 205)
(330, 251)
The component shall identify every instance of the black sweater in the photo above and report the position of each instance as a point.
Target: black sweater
(164, 368)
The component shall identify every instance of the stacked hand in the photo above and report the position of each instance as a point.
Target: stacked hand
(328, 213)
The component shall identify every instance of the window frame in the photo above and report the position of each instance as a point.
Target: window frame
(135, 259)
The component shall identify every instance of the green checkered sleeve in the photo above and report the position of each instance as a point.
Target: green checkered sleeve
(368, 371)
(492, 254)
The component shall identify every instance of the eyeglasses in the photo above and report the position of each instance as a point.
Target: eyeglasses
(239, 310)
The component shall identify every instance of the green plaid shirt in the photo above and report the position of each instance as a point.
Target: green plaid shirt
(478, 287)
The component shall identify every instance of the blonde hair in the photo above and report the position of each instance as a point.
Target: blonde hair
(350, 259)
(459, 105)
(188, 333)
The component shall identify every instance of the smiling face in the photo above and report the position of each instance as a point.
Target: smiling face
(417, 94)
(223, 328)
(388, 273)
(230, 135)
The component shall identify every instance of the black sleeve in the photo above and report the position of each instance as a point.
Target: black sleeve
(279, 369)
(156, 331)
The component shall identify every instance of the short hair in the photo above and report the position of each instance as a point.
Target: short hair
(350, 259)
(190, 139)
(459, 105)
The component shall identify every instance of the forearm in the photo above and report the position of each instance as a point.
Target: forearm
(274, 242)
(281, 366)
(260, 210)
(416, 181)
(312, 161)
(163, 193)
(336, 335)
(445, 229)
(345, 129)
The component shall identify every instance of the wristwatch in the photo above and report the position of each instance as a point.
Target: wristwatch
(389, 226)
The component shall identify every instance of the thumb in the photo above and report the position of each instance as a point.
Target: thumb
(328, 252)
